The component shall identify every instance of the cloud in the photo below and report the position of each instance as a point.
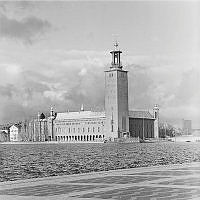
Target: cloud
(62, 79)
(7, 90)
(66, 79)
(12, 69)
(82, 72)
(55, 95)
(16, 7)
(27, 30)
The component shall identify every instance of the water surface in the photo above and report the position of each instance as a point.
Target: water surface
(23, 161)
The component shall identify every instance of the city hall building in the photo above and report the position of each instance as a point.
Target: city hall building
(114, 123)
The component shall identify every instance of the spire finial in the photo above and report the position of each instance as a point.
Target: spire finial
(115, 40)
(116, 45)
(82, 108)
(52, 112)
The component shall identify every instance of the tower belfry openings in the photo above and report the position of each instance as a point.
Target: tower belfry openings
(116, 60)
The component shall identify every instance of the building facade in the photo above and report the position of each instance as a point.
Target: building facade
(141, 124)
(79, 126)
(15, 133)
(115, 122)
(187, 127)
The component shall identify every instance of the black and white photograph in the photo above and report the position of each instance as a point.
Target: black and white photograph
(99, 100)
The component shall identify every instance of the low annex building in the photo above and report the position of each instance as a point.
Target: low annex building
(90, 126)
(80, 126)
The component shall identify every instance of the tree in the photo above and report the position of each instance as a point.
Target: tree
(166, 130)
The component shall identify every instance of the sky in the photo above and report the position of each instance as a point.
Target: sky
(55, 53)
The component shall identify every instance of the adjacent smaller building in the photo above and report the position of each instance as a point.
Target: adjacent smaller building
(187, 127)
(141, 124)
(37, 130)
(15, 131)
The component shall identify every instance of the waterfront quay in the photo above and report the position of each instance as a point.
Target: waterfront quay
(179, 181)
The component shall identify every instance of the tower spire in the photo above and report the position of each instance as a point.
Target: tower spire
(116, 45)
(116, 60)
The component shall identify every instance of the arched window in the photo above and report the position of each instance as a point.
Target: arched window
(83, 130)
(93, 129)
(88, 129)
(98, 129)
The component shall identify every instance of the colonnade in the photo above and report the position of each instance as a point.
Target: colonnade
(79, 138)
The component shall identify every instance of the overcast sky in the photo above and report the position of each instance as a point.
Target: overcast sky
(55, 54)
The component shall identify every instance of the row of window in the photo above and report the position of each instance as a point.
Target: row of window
(13, 137)
(74, 123)
(77, 123)
(14, 131)
(80, 138)
(119, 75)
(74, 130)
(111, 75)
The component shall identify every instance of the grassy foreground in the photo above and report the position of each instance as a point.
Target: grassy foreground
(38, 160)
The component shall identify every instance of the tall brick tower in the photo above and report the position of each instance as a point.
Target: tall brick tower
(116, 98)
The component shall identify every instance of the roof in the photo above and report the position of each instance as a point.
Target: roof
(16, 125)
(80, 115)
(141, 114)
(42, 116)
(92, 114)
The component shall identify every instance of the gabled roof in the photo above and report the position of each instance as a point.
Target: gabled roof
(16, 125)
(140, 114)
(80, 115)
